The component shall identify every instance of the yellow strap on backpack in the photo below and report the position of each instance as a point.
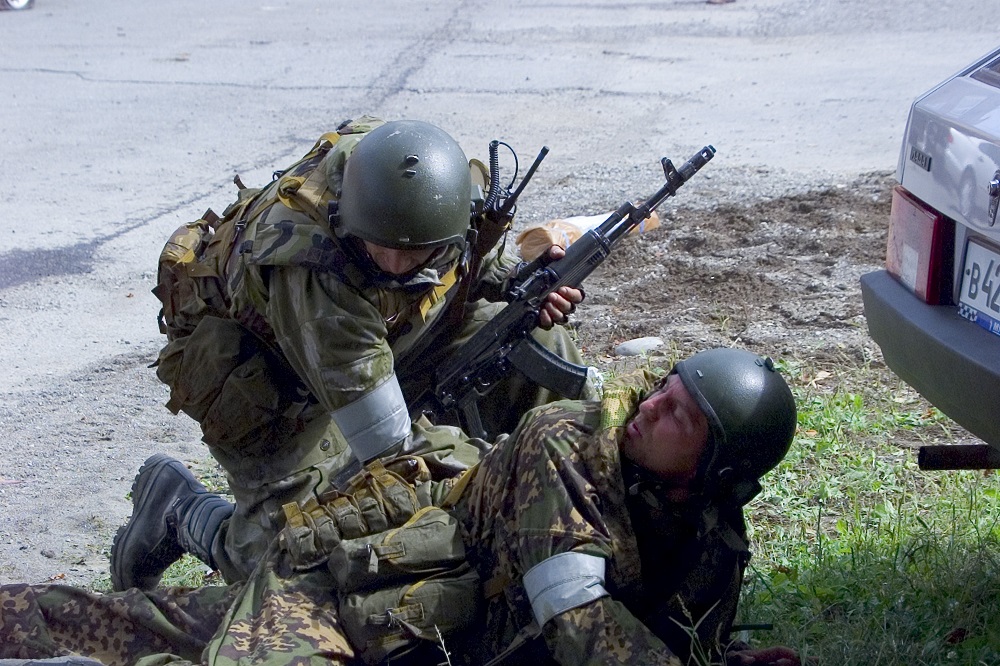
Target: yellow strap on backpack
(308, 193)
(437, 293)
(455, 494)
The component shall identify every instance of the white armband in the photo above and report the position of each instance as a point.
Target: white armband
(375, 422)
(562, 582)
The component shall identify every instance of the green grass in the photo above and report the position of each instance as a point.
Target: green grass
(188, 571)
(859, 556)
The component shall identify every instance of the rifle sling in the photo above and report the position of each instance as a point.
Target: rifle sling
(482, 239)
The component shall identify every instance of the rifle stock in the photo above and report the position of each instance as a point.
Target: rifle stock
(506, 343)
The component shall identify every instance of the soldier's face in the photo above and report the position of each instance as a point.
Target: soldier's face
(668, 434)
(397, 262)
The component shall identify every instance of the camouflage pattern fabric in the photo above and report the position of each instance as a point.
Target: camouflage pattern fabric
(554, 486)
(329, 329)
(39, 621)
(281, 617)
(547, 492)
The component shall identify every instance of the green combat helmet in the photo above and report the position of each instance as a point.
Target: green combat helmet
(751, 417)
(406, 186)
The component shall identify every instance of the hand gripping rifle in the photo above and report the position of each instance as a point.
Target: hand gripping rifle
(506, 341)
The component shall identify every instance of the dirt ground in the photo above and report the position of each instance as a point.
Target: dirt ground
(778, 276)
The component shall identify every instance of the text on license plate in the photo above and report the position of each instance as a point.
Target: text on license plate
(979, 300)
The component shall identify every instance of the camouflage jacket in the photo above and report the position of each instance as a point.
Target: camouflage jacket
(556, 486)
(338, 321)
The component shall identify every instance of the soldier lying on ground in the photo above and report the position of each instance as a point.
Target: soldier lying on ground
(319, 306)
(599, 532)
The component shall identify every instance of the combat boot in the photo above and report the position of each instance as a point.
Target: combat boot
(172, 514)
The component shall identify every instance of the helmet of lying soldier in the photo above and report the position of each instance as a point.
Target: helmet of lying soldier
(406, 186)
(751, 417)
(748, 426)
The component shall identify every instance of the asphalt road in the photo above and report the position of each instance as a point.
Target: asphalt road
(123, 120)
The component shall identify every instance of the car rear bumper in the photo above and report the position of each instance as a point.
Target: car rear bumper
(952, 362)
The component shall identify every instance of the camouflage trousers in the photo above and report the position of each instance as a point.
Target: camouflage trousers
(538, 484)
(39, 621)
(270, 621)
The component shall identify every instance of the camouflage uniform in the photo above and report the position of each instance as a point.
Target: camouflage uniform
(40, 621)
(321, 328)
(555, 486)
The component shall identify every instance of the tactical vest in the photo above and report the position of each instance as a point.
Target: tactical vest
(397, 560)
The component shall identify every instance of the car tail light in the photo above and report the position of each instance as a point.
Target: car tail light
(919, 252)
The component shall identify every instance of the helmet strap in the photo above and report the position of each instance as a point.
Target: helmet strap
(745, 490)
(636, 478)
(740, 490)
(333, 215)
(728, 487)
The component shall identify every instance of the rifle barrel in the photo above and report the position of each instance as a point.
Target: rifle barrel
(613, 228)
(472, 370)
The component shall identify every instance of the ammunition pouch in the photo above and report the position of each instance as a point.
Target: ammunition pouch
(225, 378)
(397, 563)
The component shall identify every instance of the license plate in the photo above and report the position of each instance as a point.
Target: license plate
(979, 300)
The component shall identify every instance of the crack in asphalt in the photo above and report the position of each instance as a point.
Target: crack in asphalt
(22, 266)
(389, 90)
(412, 59)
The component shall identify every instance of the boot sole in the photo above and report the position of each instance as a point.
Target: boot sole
(141, 486)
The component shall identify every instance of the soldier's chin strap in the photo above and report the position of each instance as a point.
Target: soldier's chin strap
(724, 488)
(742, 491)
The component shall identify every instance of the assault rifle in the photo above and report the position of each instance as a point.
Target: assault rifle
(506, 341)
